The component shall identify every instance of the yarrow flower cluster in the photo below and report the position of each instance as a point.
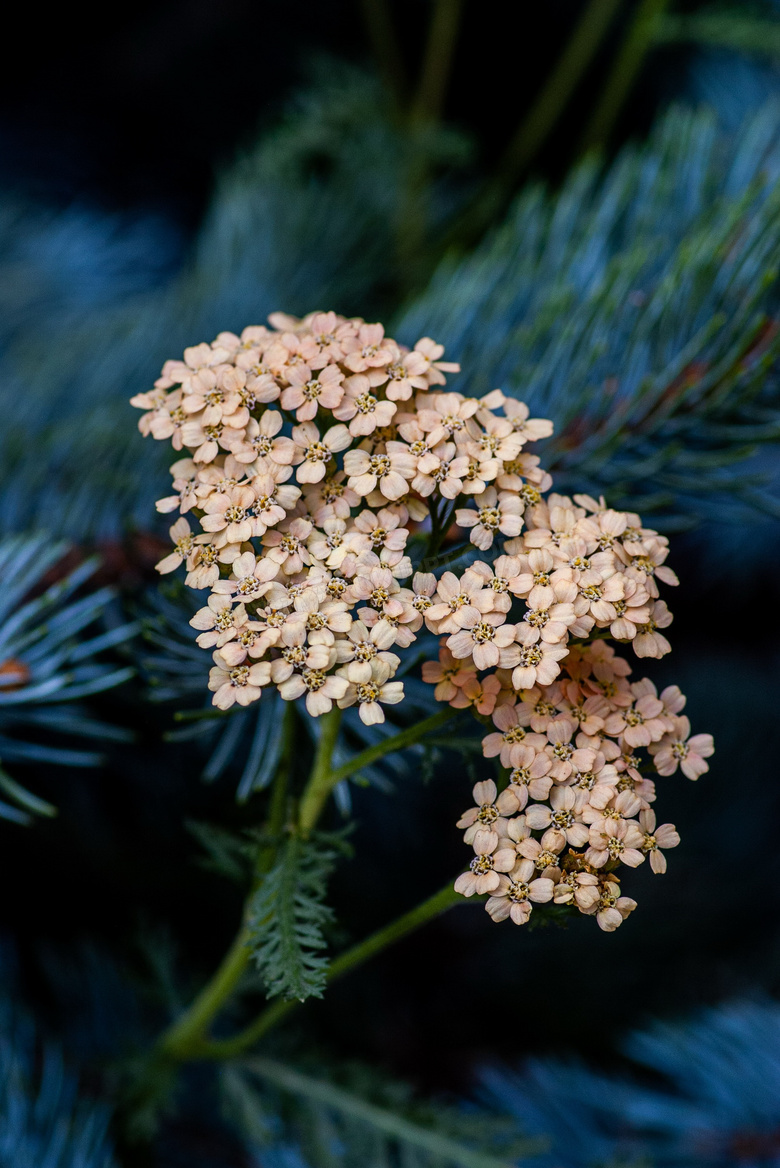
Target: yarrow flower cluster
(311, 451)
(578, 803)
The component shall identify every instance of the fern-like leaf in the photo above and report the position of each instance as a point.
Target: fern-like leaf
(358, 1117)
(288, 915)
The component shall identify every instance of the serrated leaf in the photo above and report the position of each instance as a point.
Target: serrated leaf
(287, 915)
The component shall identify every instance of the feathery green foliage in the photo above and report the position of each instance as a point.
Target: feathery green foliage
(637, 308)
(52, 641)
(176, 670)
(47, 1119)
(722, 28)
(362, 1119)
(287, 915)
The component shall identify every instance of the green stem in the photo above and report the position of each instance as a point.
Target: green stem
(378, 22)
(537, 123)
(398, 741)
(442, 900)
(321, 781)
(436, 1145)
(185, 1038)
(277, 811)
(641, 36)
(413, 218)
(186, 1033)
(181, 1040)
(561, 83)
(428, 103)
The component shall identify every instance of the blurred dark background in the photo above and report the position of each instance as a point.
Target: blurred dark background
(131, 116)
(137, 110)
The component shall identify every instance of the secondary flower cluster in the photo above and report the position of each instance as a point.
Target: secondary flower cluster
(578, 802)
(316, 455)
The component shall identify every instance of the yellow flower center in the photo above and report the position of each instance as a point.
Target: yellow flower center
(546, 859)
(365, 404)
(584, 780)
(562, 820)
(331, 491)
(483, 632)
(316, 452)
(379, 464)
(538, 618)
(490, 517)
(514, 734)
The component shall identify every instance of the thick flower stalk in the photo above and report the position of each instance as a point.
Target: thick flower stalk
(311, 451)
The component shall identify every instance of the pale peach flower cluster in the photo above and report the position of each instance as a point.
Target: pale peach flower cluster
(578, 801)
(310, 452)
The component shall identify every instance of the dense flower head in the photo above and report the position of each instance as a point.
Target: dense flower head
(320, 462)
(577, 804)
